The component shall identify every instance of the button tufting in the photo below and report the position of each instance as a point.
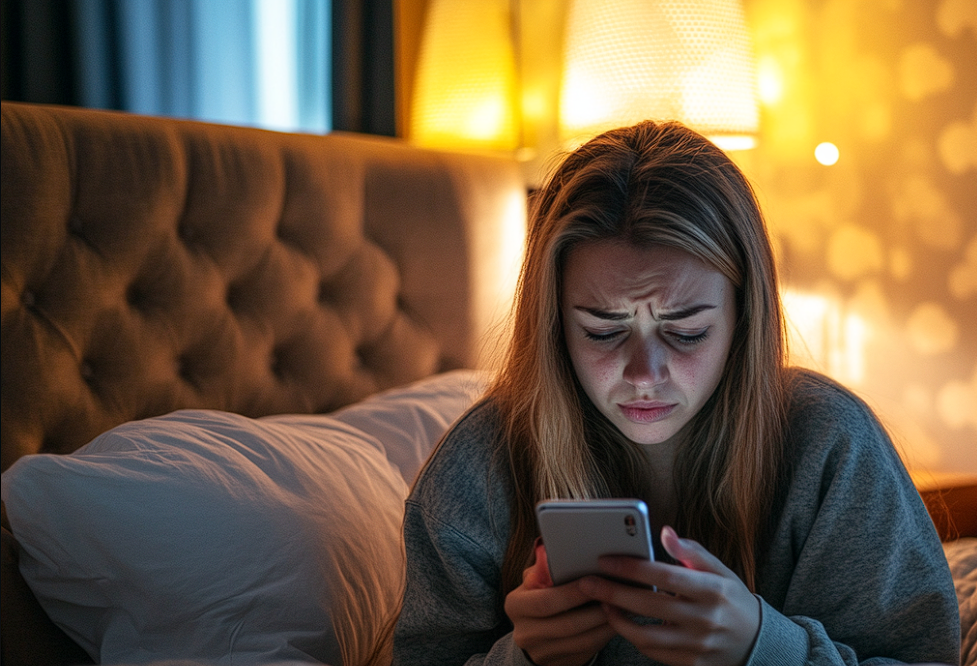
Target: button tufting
(183, 369)
(185, 232)
(28, 299)
(327, 293)
(276, 365)
(134, 296)
(363, 356)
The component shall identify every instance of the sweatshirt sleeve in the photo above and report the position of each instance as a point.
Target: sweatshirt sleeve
(452, 612)
(854, 571)
(455, 534)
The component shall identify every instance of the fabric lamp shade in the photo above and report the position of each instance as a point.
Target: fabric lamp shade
(630, 60)
(465, 88)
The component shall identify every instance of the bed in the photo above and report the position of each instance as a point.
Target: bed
(225, 354)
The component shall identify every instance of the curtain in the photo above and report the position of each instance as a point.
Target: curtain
(363, 66)
(217, 60)
(37, 49)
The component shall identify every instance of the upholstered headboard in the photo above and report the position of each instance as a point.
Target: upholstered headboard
(153, 264)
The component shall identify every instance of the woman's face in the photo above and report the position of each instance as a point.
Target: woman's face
(648, 330)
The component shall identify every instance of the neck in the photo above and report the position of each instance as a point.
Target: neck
(661, 465)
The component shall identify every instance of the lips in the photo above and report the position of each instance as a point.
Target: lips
(646, 412)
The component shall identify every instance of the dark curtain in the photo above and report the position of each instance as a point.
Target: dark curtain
(42, 61)
(38, 52)
(363, 66)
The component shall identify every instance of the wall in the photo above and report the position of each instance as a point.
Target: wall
(878, 252)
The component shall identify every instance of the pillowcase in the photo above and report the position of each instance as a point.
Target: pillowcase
(208, 535)
(406, 422)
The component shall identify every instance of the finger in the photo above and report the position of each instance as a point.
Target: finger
(691, 554)
(570, 637)
(545, 602)
(572, 626)
(537, 576)
(573, 649)
(663, 643)
(635, 572)
(644, 634)
(673, 583)
(636, 601)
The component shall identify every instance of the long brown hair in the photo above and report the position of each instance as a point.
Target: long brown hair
(649, 184)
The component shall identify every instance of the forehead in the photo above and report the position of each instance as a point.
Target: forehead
(614, 270)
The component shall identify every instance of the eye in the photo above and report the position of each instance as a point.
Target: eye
(602, 337)
(690, 339)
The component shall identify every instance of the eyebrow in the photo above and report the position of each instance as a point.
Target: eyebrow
(665, 316)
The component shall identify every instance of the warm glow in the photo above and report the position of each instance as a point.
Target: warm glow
(495, 267)
(826, 153)
(734, 141)
(465, 88)
(825, 336)
(631, 60)
(770, 80)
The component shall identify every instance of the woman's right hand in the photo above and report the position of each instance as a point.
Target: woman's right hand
(555, 625)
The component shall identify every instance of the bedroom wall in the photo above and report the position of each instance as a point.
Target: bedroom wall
(878, 252)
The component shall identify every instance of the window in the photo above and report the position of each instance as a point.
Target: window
(245, 62)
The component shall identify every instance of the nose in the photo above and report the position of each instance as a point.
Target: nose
(647, 362)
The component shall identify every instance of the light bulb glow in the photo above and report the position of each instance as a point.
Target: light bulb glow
(827, 153)
(770, 80)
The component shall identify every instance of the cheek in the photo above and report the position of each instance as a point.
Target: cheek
(594, 370)
(702, 373)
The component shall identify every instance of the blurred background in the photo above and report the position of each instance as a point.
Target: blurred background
(856, 120)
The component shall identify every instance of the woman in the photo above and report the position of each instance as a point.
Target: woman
(647, 360)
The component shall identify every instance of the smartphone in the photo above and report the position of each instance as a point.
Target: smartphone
(577, 532)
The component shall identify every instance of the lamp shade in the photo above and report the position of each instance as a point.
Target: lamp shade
(465, 87)
(629, 60)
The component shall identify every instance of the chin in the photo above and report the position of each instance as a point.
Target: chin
(646, 436)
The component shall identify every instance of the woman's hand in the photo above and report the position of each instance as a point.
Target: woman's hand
(558, 626)
(709, 616)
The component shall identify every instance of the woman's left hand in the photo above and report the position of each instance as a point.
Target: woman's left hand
(709, 616)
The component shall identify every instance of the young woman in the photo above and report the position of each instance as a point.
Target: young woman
(647, 360)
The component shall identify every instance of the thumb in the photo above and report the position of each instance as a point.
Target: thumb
(537, 575)
(691, 554)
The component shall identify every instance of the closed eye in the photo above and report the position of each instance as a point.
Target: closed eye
(602, 337)
(684, 339)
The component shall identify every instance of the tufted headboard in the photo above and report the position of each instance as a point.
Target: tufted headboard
(154, 264)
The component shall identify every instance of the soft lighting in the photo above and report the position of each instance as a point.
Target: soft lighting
(490, 74)
(631, 60)
(826, 337)
(826, 153)
(465, 87)
(770, 80)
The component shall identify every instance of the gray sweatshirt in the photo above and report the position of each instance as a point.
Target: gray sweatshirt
(852, 572)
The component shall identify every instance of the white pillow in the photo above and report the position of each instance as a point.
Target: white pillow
(407, 421)
(208, 535)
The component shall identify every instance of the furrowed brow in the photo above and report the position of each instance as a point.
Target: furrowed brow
(604, 314)
(684, 314)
